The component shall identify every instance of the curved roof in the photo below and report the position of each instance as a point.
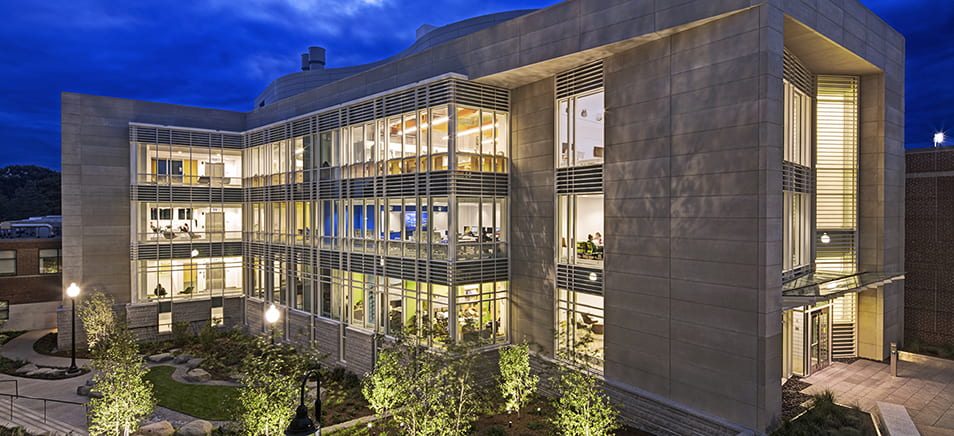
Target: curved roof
(298, 82)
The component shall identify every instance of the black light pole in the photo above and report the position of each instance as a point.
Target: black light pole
(73, 291)
(301, 424)
(271, 316)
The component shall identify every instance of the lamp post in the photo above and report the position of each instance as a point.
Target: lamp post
(73, 291)
(301, 424)
(271, 316)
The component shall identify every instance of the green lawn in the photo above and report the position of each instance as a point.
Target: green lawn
(200, 401)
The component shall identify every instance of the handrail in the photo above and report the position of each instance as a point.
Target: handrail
(16, 386)
(44, 400)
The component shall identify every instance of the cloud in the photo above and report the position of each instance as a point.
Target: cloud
(306, 16)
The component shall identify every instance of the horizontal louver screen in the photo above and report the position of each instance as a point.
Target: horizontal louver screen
(449, 90)
(580, 180)
(797, 73)
(797, 178)
(190, 138)
(836, 201)
(579, 80)
(580, 279)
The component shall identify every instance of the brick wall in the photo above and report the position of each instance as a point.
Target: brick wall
(28, 285)
(929, 246)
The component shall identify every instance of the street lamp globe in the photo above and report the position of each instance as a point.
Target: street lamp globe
(73, 291)
(271, 315)
(938, 138)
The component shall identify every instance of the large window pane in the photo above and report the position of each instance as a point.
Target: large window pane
(580, 328)
(580, 229)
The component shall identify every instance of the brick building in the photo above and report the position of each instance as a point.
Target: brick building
(30, 273)
(929, 245)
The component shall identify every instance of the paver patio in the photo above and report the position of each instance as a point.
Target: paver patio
(925, 390)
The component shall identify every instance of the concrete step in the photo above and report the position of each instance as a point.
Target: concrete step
(33, 421)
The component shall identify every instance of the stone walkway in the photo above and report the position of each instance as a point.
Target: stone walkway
(926, 390)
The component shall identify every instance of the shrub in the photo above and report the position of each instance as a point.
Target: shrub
(181, 336)
(582, 408)
(496, 430)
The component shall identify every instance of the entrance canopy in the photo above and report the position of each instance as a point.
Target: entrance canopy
(822, 286)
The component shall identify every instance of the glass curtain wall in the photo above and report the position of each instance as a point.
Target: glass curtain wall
(166, 164)
(428, 227)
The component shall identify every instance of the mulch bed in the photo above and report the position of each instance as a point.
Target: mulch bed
(793, 398)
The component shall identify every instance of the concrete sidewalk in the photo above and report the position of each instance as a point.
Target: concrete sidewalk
(925, 390)
(21, 348)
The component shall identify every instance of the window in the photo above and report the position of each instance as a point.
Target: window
(8, 262)
(168, 167)
(580, 124)
(797, 183)
(165, 317)
(580, 229)
(50, 261)
(580, 327)
(4, 310)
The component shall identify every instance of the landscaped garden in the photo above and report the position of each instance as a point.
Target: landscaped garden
(462, 390)
(201, 401)
(825, 417)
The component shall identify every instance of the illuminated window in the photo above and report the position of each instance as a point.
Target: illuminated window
(8, 262)
(580, 124)
(580, 327)
(797, 183)
(50, 261)
(580, 229)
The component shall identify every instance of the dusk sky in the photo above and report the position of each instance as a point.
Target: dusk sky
(222, 54)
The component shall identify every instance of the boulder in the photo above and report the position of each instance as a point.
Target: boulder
(95, 394)
(41, 372)
(195, 428)
(90, 382)
(161, 357)
(198, 375)
(161, 428)
(83, 390)
(194, 363)
(26, 368)
(182, 358)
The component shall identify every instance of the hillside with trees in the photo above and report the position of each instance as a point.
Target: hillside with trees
(28, 190)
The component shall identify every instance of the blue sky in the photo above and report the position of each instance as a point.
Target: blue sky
(222, 53)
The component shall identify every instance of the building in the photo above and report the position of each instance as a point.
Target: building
(30, 273)
(928, 233)
(698, 199)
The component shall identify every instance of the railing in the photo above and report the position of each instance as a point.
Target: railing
(16, 395)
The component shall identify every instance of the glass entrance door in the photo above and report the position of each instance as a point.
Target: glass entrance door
(820, 339)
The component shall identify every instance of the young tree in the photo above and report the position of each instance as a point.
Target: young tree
(517, 384)
(99, 320)
(429, 393)
(270, 392)
(120, 371)
(581, 408)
